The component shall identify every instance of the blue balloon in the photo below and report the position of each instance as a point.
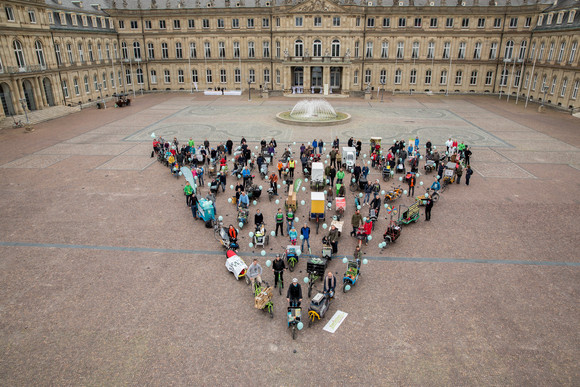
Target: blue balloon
(220, 218)
(263, 252)
(251, 245)
(251, 234)
(345, 260)
(300, 325)
(241, 224)
(272, 233)
(306, 280)
(347, 288)
(370, 237)
(268, 263)
(365, 261)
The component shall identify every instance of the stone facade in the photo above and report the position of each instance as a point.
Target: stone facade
(68, 52)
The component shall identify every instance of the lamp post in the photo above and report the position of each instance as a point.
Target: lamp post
(23, 104)
(249, 90)
(100, 88)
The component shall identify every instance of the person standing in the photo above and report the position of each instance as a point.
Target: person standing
(333, 239)
(278, 267)
(229, 145)
(368, 191)
(449, 144)
(440, 171)
(459, 170)
(467, 153)
(428, 207)
(339, 176)
(314, 145)
(291, 166)
(333, 153)
(320, 146)
(280, 222)
(468, 173)
(290, 219)
(331, 175)
(194, 202)
(411, 186)
(355, 221)
(258, 218)
(222, 177)
(305, 232)
(188, 191)
(274, 183)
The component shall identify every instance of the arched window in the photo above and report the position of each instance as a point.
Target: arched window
(415, 50)
(509, 49)
(139, 76)
(136, 50)
(298, 48)
(335, 48)
(19, 54)
(87, 87)
(39, 53)
(124, 50)
(523, 46)
(317, 48)
(398, 73)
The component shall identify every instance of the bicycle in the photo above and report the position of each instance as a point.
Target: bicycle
(279, 281)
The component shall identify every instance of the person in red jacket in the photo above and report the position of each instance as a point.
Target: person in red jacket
(368, 227)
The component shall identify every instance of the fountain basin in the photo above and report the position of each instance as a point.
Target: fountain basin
(313, 112)
(341, 118)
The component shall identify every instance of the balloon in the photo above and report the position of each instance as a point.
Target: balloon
(279, 186)
(438, 177)
(263, 252)
(381, 245)
(287, 170)
(303, 189)
(358, 207)
(229, 200)
(305, 170)
(327, 156)
(400, 178)
(296, 220)
(426, 195)
(251, 245)
(386, 206)
(370, 237)
(239, 176)
(268, 263)
(369, 162)
(325, 192)
(327, 182)
(307, 143)
(345, 260)
(382, 192)
(434, 147)
(364, 219)
(300, 325)
(260, 187)
(232, 187)
(294, 142)
(180, 173)
(302, 202)
(241, 224)
(251, 234)
(284, 182)
(254, 202)
(256, 147)
(273, 233)
(392, 173)
(221, 217)
(153, 135)
(404, 192)
(365, 156)
(277, 201)
(418, 174)
(209, 184)
(329, 205)
(420, 183)
(335, 217)
(352, 170)
(298, 252)
(360, 195)
(306, 180)
(421, 158)
(353, 180)
(301, 237)
(394, 141)
(325, 161)
(325, 226)
(347, 288)
(324, 149)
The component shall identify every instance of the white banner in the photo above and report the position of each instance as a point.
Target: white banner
(333, 324)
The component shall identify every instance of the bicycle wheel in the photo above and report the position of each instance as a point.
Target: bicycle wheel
(317, 226)
(309, 289)
(293, 332)
(271, 310)
(344, 286)
(353, 187)
(280, 288)
(435, 197)
(291, 264)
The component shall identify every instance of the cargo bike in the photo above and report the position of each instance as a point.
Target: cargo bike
(319, 305)
(315, 267)
(294, 319)
(317, 208)
(317, 179)
(263, 298)
(449, 175)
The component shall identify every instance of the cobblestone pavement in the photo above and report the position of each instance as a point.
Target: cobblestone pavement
(106, 279)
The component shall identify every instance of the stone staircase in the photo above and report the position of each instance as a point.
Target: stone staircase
(37, 116)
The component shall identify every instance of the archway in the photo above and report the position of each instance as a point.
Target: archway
(6, 99)
(29, 94)
(47, 86)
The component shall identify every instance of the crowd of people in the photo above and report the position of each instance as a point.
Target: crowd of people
(206, 161)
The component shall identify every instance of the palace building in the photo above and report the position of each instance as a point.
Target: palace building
(63, 52)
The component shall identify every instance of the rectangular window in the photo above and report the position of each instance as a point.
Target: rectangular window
(221, 50)
(207, 50)
(166, 76)
(465, 22)
(250, 23)
(575, 90)
(473, 79)
(65, 88)
(62, 18)
(128, 77)
(481, 22)
(386, 22)
(402, 22)
(551, 52)
(560, 17)
(266, 49)
(398, 77)
(81, 53)
(534, 82)
(178, 51)
(192, 50)
(573, 52)
(208, 76)
(418, 22)
(553, 88)
(431, 50)
(458, 77)
(564, 85)
(355, 77)
(571, 15)
(385, 50)
(191, 23)
(449, 22)
(383, 77)
(561, 53)
(150, 51)
(50, 17)
(266, 76)
(514, 22)
(235, 23)
(415, 50)
(528, 22)
(477, 51)
(413, 77)
(446, 50)
(541, 51)
(134, 24)
(236, 49)
(237, 76)
(69, 53)
(400, 50)
(357, 22)
(205, 23)
(220, 23)
(540, 20)
(194, 77)
(299, 21)
(428, 77)
(368, 76)
(336, 21)
(370, 22)
(433, 22)
(356, 49)
(162, 24)
(180, 76)
(317, 21)
(223, 76)
(461, 52)
(32, 16)
(265, 22)
(148, 24)
(57, 52)
(549, 21)
(369, 50)
(497, 22)
(277, 76)
(252, 76)
(176, 24)
(164, 51)
(121, 23)
(9, 13)
(251, 52)
(443, 78)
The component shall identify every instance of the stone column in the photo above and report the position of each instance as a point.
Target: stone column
(307, 79)
(287, 78)
(36, 93)
(17, 94)
(345, 81)
(42, 93)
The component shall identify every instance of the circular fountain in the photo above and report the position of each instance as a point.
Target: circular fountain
(313, 112)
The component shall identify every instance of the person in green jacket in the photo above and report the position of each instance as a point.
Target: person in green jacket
(339, 176)
(188, 191)
(356, 221)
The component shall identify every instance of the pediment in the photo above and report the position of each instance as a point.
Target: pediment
(317, 6)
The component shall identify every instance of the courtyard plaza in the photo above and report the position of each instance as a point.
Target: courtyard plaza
(107, 279)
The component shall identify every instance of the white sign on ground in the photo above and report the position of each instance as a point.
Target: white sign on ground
(335, 321)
